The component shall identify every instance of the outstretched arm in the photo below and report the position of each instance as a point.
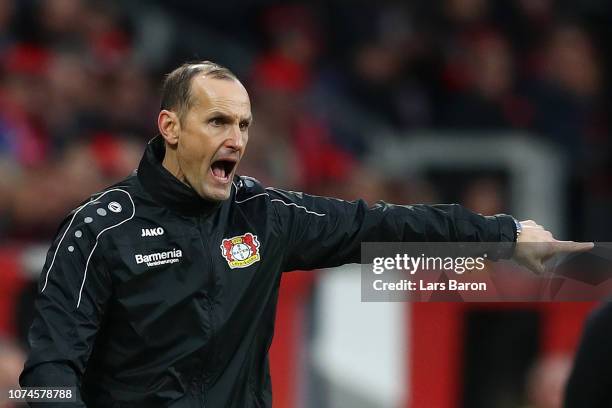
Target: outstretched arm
(324, 232)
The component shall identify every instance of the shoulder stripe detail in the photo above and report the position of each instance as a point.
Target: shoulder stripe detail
(247, 199)
(98, 238)
(280, 191)
(98, 195)
(78, 210)
(298, 206)
(282, 202)
(62, 239)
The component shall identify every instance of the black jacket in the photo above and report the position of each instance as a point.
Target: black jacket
(153, 297)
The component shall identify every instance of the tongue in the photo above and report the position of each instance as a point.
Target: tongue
(218, 170)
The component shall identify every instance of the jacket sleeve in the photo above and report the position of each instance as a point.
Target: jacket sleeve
(324, 232)
(73, 291)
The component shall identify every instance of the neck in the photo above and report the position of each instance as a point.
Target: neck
(161, 176)
(171, 164)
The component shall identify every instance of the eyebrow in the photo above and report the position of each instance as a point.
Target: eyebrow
(226, 115)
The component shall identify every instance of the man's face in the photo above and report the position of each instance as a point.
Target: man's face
(213, 135)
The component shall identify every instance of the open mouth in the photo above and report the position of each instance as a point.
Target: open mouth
(222, 169)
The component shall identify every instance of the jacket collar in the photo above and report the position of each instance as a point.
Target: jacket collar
(166, 189)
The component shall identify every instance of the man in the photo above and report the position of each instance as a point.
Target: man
(161, 290)
(590, 381)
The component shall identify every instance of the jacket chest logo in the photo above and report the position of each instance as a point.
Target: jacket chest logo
(241, 251)
(159, 258)
(152, 232)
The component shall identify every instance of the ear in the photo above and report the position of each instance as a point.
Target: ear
(169, 126)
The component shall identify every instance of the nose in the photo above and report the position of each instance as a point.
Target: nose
(236, 138)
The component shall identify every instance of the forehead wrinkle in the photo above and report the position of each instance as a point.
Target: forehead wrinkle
(230, 108)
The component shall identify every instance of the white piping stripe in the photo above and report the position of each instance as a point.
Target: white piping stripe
(60, 242)
(281, 191)
(247, 199)
(98, 195)
(114, 188)
(299, 206)
(281, 201)
(98, 237)
(87, 266)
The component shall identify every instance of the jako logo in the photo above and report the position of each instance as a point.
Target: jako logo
(160, 258)
(152, 232)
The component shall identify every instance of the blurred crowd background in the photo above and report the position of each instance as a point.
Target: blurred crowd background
(79, 84)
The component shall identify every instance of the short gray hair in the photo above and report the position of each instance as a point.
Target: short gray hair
(176, 88)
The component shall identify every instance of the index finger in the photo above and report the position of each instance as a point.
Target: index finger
(572, 246)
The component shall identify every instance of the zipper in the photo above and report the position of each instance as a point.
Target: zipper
(207, 375)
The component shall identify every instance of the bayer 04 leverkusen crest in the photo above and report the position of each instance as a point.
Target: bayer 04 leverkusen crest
(241, 251)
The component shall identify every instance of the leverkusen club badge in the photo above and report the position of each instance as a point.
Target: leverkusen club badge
(241, 251)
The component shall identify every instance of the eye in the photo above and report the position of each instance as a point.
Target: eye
(217, 122)
(244, 125)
